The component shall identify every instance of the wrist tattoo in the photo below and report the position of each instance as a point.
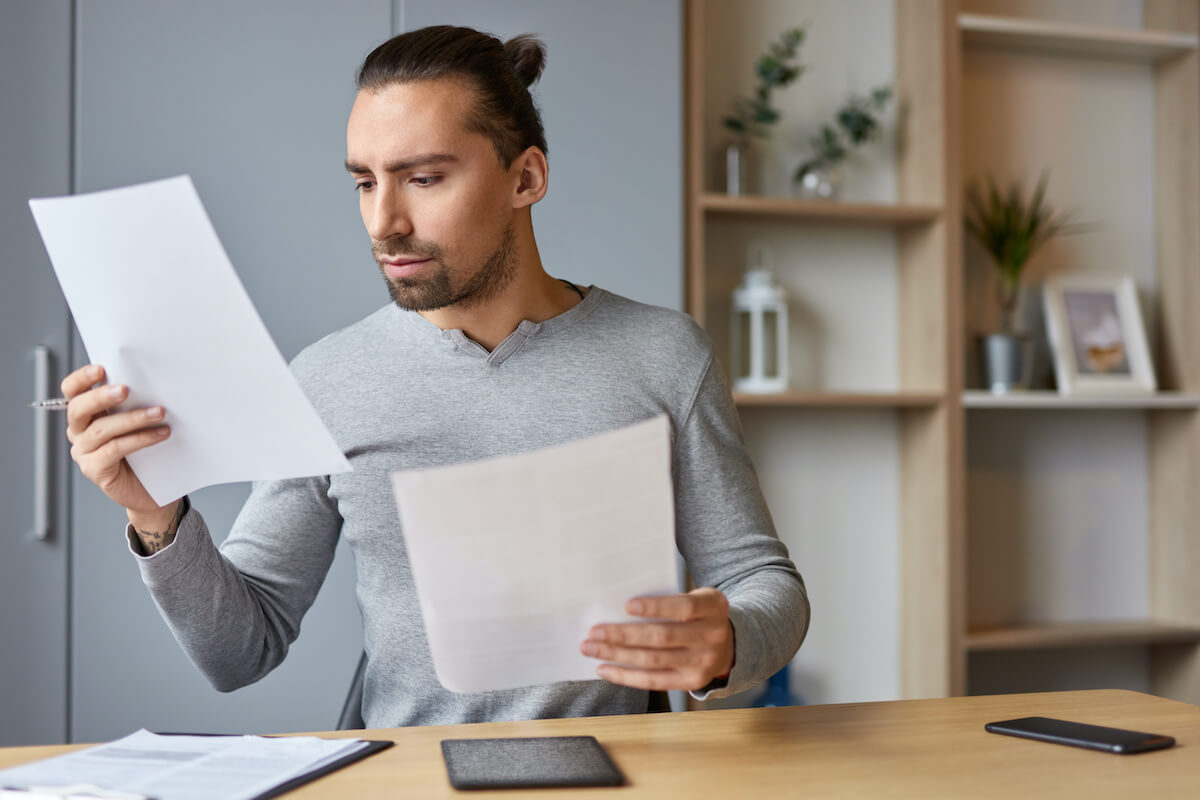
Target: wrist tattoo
(153, 541)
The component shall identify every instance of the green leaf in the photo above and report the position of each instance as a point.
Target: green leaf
(858, 124)
(767, 69)
(766, 116)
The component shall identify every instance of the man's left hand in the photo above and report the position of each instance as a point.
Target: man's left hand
(689, 643)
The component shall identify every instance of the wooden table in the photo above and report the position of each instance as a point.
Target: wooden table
(906, 749)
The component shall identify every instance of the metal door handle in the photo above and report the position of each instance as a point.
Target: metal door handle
(42, 479)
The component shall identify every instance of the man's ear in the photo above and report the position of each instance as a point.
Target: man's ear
(533, 177)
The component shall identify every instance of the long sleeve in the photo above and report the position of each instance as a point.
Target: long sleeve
(726, 536)
(236, 610)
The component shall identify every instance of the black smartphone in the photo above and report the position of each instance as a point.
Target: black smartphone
(1077, 734)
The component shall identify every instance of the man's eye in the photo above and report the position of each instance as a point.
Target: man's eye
(426, 180)
(364, 186)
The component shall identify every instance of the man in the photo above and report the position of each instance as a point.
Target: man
(482, 353)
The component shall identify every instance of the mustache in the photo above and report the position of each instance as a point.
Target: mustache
(405, 246)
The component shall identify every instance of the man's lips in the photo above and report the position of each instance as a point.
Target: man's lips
(403, 267)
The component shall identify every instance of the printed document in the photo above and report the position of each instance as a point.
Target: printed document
(548, 543)
(158, 303)
(145, 764)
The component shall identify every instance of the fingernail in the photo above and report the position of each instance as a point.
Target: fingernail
(588, 649)
(162, 431)
(154, 413)
(93, 371)
(115, 391)
(598, 635)
(635, 606)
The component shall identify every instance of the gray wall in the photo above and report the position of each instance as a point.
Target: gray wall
(251, 100)
(612, 104)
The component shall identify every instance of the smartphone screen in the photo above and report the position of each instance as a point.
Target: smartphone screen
(1077, 734)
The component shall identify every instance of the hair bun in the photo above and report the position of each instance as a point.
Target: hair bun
(527, 57)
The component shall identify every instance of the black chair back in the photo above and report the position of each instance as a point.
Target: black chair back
(351, 718)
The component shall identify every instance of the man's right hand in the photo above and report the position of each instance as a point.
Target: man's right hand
(100, 441)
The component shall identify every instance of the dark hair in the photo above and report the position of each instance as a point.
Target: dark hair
(501, 74)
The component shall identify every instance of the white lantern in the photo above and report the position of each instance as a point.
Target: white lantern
(760, 328)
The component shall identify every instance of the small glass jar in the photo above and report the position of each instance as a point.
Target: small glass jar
(822, 182)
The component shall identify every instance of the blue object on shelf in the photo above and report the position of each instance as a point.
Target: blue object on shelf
(779, 692)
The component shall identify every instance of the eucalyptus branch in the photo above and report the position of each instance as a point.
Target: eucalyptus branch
(857, 122)
(775, 69)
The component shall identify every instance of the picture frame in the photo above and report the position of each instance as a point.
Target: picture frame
(1096, 334)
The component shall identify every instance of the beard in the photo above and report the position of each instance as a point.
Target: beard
(438, 289)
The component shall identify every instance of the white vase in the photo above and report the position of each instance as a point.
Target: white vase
(737, 168)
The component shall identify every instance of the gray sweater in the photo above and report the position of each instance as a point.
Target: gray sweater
(399, 393)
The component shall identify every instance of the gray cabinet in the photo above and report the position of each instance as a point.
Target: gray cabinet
(251, 100)
(35, 107)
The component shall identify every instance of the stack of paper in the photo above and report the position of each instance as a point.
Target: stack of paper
(172, 767)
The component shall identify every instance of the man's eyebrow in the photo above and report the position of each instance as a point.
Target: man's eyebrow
(425, 160)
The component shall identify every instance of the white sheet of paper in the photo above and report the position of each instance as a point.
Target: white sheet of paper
(515, 558)
(157, 302)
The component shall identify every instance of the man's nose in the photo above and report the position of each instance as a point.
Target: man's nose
(390, 217)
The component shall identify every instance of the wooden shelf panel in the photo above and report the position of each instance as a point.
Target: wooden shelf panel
(816, 399)
(1081, 634)
(1028, 34)
(1052, 401)
(819, 211)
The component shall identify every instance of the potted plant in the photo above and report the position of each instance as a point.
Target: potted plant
(753, 116)
(857, 122)
(1011, 229)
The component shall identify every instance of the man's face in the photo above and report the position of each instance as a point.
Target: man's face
(434, 197)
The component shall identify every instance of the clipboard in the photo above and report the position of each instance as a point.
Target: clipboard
(372, 747)
(41, 784)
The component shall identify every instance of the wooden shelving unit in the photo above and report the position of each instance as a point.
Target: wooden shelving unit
(934, 412)
(1087, 40)
(1084, 634)
(927, 427)
(1170, 429)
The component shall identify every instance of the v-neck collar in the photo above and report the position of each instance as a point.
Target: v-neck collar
(525, 330)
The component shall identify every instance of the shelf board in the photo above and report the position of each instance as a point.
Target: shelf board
(1030, 34)
(819, 210)
(818, 399)
(1053, 401)
(1081, 634)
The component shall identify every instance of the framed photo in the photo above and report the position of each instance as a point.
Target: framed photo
(1096, 336)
